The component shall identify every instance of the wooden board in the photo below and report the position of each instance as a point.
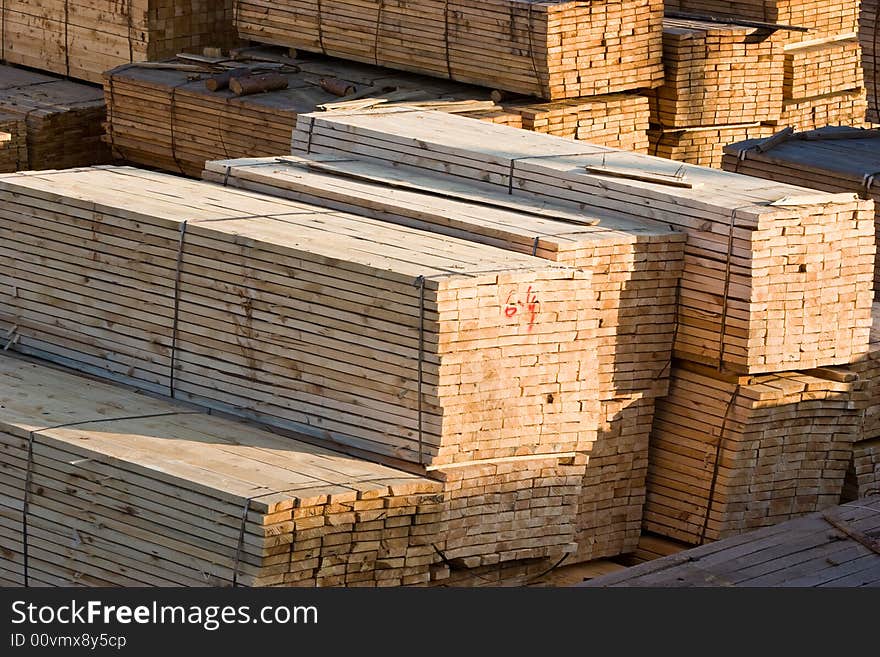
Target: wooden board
(730, 454)
(824, 549)
(84, 39)
(552, 50)
(717, 75)
(830, 159)
(59, 122)
(752, 256)
(129, 490)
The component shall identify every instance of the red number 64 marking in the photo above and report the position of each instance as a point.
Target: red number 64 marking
(530, 306)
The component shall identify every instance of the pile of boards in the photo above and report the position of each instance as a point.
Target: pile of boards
(52, 123)
(863, 477)
(167, 118)
(775, 289)
(833, 159)
(634, 264)
(869, 36)
(725, 82)
(82, 40)
(553, 49)
(107, 487)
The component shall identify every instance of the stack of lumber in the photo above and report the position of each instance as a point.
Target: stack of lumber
(82, 40)
(128, 490)
(62, 120)
(13, 143)
(833, 548)
(553, 49)
(166, 118)
(821, 70)
(869, 36)
(776, 277)
(616, 120)
(863, 478)
(717, 75)
(846, 108)
(734, 453)
(430, 352)
(834, 159)
(702, 145)
(635, 265)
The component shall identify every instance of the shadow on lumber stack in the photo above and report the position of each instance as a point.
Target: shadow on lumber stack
(635, 266)
(465, 362)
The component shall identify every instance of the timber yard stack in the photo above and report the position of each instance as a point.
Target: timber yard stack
(833, 159)
(57, 123)
(551, 50)
(869, 36)
(226, 298)
(13, 143)
(755, 254)
(823, 82)
(722, 81)
(635, 264)
(82, 40)
(863, 477)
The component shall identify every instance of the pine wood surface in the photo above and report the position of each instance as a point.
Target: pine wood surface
(717, 75)
(550, 49)
(84, 39)
(60, 122)
(129, 490)
(850, 164)
(730, 454)
(827, 549)
(823, 69)
(742, 304)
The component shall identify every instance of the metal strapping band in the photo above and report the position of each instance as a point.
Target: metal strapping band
(420, 283)
(311, 131)
(320, 18)
(177, 273)
(869, 180)
(29, 468)
(226, 175)
(378, 29)
(535, 245)
(130, 30)
(66, 39)
(876, 61)
(240, 545)
(171, 125)
(727, 268)
(3, 31)
(717, 465)
(543, 92)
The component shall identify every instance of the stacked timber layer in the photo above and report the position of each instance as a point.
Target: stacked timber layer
(13, 143)
(616, 120)
(761, 291)
(863, 479)
(169, 119)
(717, 75)
(838, 159)
(704, 145)
(62, 120)
(549, 49)
(735, 453)
(824, 19)
(635, 267)
(159, 494)
(475, 364)
(823, 69)
(82, 40)
(846, 108)
(869, 36)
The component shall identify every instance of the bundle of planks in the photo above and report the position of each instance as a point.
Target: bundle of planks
(823, 69)
(869, 36)
(847, 108)
(735, 453)
(82, 40)
(155, 493)
(58, 123)
(702, 145)
(552, 49)
(616, 120)
(13, 143)
(429, 352)
(775, 278)
(834, 159)
(717, 75)
(167, 119)
(634, 264)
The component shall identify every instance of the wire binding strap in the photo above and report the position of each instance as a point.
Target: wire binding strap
(320, 18)
(420, 283)
(28, 478)
(177, 273)
(717, 465)
(171, 125)
(240, 545)
(535, 246)
(446, 39)
(377, 31)
(3, 31)
(66, 39)
(542, 91)
(130, 30)
(727, 268)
